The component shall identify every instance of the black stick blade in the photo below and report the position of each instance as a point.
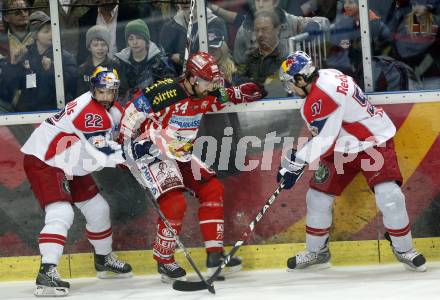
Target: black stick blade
(192, 286)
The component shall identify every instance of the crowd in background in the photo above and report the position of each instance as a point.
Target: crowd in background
(145, 41)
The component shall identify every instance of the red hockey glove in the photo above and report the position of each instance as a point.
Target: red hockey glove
(246, 92)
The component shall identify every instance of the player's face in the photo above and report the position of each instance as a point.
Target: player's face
(296, 87)
(203, 87)
(105, 97)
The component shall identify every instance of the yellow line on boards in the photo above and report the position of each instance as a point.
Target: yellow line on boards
(255, 257)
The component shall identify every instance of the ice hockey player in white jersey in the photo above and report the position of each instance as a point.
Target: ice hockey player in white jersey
(60, 156)
(350, 135)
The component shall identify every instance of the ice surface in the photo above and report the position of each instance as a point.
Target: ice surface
(337, 283)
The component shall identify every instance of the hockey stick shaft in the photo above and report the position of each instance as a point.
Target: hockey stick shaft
(188, 35)
(137, 174)
(194, 286)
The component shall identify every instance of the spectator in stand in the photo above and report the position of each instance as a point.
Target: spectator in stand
(35, 71)
(311, 8)
(156, 15)
(142, 62)
(7, 86)
(345, 52)
(219, 49)
(346, 49)
(114, 15)
(290, 25)
(233, 12)
(262, 63)
(399, 10)
(69, 21)
(416, 42)
(17, 34)
(98, 40)
(173, 34)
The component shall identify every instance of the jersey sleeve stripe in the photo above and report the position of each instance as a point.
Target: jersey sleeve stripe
(55, 148)
(357, 129)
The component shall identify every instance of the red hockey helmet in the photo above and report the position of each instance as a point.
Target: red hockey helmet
(203, 65)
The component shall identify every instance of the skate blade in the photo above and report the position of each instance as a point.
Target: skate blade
(166, 279)
(422, 268)
(47, 291)
(315, 267)
(113, 275)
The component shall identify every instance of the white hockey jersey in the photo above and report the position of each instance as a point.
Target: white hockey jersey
(79, 139)
(341, 119)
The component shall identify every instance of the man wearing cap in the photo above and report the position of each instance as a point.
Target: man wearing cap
(98, 44)
(142, 62)
(35, 70)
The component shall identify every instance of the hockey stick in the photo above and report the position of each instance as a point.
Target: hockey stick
(188, 286)
(132, 165)
(188, 35)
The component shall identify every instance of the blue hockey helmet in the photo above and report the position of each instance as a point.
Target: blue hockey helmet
(296, 65)
(105, 78)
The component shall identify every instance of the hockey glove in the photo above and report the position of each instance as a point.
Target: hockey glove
(246, 92)
(291, 170)
(140, 149)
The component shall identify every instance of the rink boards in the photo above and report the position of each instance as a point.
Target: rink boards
(255, 257)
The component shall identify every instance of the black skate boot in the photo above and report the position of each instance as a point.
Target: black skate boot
(49, 283)
(310, 260)
(109, 266)
(412, 260)
(170, 272)
(215, 259)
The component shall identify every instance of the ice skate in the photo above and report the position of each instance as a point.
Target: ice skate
(215, 259)
(412, 260)
(310, 260)
(170, 272)
(109, 266)
(49, 283)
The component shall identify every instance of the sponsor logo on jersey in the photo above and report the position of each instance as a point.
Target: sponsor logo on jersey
(164, 93)
(185, 121)
(142, 104)
(160, 97)
(158, 84)
(150, 182)
(321, 174)
(343, 86)
(167, 233)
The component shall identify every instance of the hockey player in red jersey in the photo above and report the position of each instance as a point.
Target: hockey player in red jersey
(60, 156)
(168, 114)
(350, 135)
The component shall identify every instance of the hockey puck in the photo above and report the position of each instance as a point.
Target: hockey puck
(220, 278)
